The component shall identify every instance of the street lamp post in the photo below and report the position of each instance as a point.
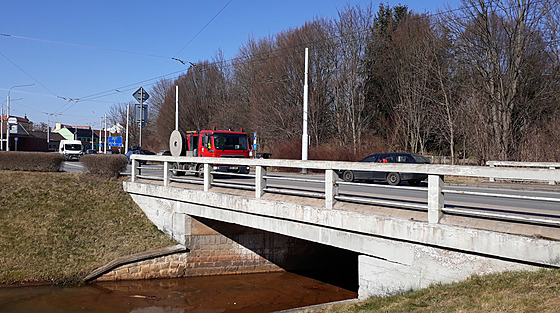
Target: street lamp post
(8, 114)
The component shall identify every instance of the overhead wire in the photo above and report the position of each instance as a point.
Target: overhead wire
(202, 29)
(227, 63)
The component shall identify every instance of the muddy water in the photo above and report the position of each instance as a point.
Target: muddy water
(234, 293)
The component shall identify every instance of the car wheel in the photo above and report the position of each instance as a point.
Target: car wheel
(348, 176)
(393, 179)
(414, 182)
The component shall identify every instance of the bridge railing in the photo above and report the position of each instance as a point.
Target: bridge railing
(549, 165)
(435, 204)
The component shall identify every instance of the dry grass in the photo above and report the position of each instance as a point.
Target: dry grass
(57, 227)
(508, 292)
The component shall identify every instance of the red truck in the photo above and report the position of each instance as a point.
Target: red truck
(209, 143)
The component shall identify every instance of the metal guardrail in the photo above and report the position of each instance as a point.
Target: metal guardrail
(330, 192)
(549, 165)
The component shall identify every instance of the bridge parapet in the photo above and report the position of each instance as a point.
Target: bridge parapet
(435, 199)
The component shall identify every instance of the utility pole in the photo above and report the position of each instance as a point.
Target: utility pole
(100, 128)
(305, 136)
(177, 108)
(8, 115)
(127, 120)
(105, 146)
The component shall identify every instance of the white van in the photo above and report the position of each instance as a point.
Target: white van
(71, 149)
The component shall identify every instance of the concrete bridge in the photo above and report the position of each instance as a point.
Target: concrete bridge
(387, 246)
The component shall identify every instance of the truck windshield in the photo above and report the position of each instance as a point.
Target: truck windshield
(230, 141)
(74, 147)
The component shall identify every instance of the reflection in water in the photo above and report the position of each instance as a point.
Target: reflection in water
(233, 293)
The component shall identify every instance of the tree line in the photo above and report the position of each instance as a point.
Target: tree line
(481, 82)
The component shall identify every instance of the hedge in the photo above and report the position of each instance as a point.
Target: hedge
(31, 161)
(105, 165)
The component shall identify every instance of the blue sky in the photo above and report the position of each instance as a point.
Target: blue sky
(75, 49)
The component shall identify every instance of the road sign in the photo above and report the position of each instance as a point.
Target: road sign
(141, 95)
(12, 120)
(141, 114)
(115, 141)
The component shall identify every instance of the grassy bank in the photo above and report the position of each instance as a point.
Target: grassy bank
(57, 227)
(527, 292)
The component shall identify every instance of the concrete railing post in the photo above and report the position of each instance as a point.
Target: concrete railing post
(331, 188)
(552, 182)
(435, 198)
(492, 179)
(134, 170)
(208, 177)
(166, 173)
(260, 181)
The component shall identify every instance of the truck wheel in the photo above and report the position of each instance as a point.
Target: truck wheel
(200, 170)
(174, 170)
(393, 179)
(348, 176)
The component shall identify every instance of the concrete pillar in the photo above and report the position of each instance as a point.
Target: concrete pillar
(134, 170)
(552, 182)
(166, 173)
(435, 198)
(208, 177)
(331, 188)
(260, 181)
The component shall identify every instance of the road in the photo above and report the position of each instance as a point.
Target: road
(380, 191)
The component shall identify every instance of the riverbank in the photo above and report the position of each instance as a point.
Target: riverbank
(536, 292)
(58, 227)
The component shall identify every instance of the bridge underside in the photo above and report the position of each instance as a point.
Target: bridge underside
(395, 254)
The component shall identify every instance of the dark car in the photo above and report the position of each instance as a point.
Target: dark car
(140, 151)
(392, 178)
(90, 151)
(164, 152)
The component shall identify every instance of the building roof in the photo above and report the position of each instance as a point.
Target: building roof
(43, 135)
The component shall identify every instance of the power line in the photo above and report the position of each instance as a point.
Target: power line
(92, 47)
(200, 31)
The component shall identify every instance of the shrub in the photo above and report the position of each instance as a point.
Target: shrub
(31, 161)
(105, 165)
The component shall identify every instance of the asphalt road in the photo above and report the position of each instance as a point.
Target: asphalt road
(381, 191)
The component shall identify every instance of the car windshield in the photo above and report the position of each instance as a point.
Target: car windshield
(226, 141)
(74, 147)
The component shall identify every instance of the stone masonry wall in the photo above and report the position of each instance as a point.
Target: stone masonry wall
(217, 248)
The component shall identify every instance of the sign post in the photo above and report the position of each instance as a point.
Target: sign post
(141, 112)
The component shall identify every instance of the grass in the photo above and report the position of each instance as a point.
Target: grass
(506, 292)
(58, 227)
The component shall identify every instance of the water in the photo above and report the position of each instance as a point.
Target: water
(211, 294)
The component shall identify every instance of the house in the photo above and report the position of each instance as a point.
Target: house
(88, 137)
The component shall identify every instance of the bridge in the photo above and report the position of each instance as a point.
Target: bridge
(388, 242)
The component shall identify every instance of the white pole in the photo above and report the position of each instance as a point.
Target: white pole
(99, 137)
(105, 144)
(92, 142)
(176, 107)
(304, 136)
(127, 119)
(2, 127)
(8, 124)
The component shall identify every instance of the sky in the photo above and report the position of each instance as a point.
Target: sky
(82, 57)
